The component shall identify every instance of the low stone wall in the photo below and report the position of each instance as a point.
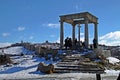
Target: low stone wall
(105, 53)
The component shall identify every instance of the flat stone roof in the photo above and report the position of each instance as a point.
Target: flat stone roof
(79, 18)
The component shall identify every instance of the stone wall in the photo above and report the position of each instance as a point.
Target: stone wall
(105, 53)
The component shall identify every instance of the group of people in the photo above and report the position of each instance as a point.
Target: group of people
(68, 43)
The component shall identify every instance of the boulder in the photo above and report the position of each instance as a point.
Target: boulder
(4, 59)
(48, 69)
(105, 53)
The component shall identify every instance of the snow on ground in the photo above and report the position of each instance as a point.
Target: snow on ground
(4, 44)
(113, 60)
(27, 66)
(25, 69)
(17, 50)
(20, 70)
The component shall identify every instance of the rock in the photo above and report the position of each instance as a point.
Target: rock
(4, 59)
(105, 53)
(48, 69)
(97, 51)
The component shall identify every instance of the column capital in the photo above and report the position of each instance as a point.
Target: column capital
(95, 23)
(61, 20)
(73, 24)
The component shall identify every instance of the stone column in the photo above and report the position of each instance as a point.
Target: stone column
(86, 34)
(61, 34)
(73, 36)
(79, 32)
(96, 32)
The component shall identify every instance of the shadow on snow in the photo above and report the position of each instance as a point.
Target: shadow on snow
(16, 69)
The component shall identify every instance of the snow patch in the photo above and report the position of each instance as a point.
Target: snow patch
(112, 71)
(17, 51)
(113, 60)
(4, 44)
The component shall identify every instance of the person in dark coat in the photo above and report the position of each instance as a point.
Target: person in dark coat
(66, 42)
(70, 43)
(95, 43)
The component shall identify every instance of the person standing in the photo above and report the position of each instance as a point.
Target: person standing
(95, 43)
(66, 43)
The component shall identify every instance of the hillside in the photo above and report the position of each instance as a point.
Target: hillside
(25, 67)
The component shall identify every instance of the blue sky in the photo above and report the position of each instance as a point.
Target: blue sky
(38, 20)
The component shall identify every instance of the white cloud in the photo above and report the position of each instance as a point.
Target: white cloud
(82, 39)
(52, 25)
(5, 44)
(5, 34)
(21, 28)
(31, 37)
(58, 40)
(81, 35)
(52, 36)
(111, 39)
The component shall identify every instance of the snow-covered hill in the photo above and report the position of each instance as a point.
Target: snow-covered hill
(26, 66)
(17, 50)
(5, 44)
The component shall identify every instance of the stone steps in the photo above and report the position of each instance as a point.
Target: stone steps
(77, 64)
(68, 70)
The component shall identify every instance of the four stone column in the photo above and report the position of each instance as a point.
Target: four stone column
(79, 33)
(86, 34)
(61, 35)
(96, 33)
(73, 34)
